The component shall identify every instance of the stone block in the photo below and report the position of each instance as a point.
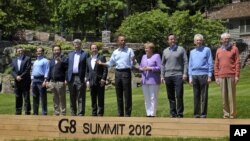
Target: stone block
(106, 36)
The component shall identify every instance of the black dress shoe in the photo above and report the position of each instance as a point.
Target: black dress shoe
(203, 116)
(18, 113)
(196, 116)
(173, 116)
(27, 113)
(180, 116)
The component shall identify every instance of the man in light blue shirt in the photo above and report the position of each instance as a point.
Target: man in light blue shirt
(123, 60)
(39, 77)
(200, 72)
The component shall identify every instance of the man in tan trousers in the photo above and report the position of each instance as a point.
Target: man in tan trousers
(227, 72)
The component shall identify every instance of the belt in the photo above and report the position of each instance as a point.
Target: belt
(38, 77)
(57, 80)
(126, 69)
(75, 74)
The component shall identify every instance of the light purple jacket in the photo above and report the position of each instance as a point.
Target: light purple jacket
(154, 76)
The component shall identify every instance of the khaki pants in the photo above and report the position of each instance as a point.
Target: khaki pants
(228, 91)
(59, 98)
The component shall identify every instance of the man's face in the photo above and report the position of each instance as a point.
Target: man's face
(39, 52)
(19, 51)
(94, 49)
(57, 51)
(121, 41)
(225, 40)
(171, 40)
(198, 42)
(77, 46)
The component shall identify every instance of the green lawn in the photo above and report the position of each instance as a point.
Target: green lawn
(7, 103)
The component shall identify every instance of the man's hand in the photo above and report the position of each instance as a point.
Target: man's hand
(209, 80)
(18, 78)
(87, 84)
(99, 62)
(102, 83)
(236, 80)
(190, 82)
(217, 80)
(162, 80)
(184, 77)
(47, 84)
(44, 84)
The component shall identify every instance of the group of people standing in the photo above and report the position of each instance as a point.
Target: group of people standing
(80, 69)
(173, 69)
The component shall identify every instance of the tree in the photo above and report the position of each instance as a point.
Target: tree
(193, 5)
(147, 26)
(88, 15)
(155, 25)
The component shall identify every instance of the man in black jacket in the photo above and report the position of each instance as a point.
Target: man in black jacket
(21, 66)
(96, 77)
(57, 81)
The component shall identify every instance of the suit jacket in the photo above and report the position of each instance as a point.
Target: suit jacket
(99, 72)
(24, 71)
(81, 67)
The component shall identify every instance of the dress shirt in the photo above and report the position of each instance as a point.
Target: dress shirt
(93, 61)
(122, 58)
(172, 48)
(40, 67)
(76, 61)
(19, 61)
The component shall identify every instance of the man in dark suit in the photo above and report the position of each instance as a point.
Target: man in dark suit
(76, 78)
(21, 66)
(96, 77)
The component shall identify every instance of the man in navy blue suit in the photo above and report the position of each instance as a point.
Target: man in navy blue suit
(76, 79)
(21, 66)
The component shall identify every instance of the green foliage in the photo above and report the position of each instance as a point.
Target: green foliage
(155, 25)
(99, 45)
(30, 49)
(186, 26)
(64, 45)
(147, 26)
(20, 14)
(87, 15)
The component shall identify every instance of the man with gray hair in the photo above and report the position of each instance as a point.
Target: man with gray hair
(200, 72)
(227, 72)
(76, 78)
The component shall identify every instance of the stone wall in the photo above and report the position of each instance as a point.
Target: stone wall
(7, 83)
